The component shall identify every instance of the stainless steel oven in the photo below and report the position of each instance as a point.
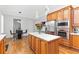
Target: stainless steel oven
(62, 33)
(63, 28)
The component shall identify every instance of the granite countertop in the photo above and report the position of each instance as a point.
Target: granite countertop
(74, 33)
(44, 36)
(2, 36)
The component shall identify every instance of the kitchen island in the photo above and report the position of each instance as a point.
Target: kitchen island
(44, 43)
(2, 36)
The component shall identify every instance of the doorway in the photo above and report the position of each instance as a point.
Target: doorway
(16, 24)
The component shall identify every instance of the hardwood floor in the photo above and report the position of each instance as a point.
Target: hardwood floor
(17, 46)
(21, 46)
(67, 50)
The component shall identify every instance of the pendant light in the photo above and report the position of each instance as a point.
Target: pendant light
(36, 15)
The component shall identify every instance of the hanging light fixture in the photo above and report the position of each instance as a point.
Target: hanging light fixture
(43, 17)
(46, 10)
(36, 15)
(19, 12)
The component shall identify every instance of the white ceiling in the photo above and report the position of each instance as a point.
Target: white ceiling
(28, 10)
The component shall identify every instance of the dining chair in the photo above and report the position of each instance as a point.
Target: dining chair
(14, 35)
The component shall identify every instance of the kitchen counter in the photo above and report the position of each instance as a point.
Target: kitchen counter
(42, 43)
(2, 36)
(44, 36)
(74, 33)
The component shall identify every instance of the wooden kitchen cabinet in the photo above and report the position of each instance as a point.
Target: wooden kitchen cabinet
(75, 41)
(33, 43)
(53, 46)
(1, 46)
(71, 40)
(65, 42)
(52, 16)
(40, 46)
(44, 47)
(60, 15)
(49, 17)
(66, 14)
(76, 16)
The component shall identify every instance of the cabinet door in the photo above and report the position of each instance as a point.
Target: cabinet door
(1, 46)
(49, 17)
(44, 47)
(71, 40)
(76, 41)
(51, 47)
(52, 16)
(38, 46)
(60, 15)
(76, 17)
(66, 14)
(65, 42)
(33, 43)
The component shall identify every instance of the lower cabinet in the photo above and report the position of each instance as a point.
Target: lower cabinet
(65, 42)
(75, 41)
(33, 43)
(1, 47)
(44, 47)
(40, 46)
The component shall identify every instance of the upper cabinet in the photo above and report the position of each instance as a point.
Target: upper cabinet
(52, 16)
(49, 17)
(76, 16)
(63, 14)
(60, 15)
(66, 14)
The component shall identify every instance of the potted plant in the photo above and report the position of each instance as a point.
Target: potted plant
(39, 27)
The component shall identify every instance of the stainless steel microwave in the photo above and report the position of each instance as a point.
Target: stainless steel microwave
(63, 23)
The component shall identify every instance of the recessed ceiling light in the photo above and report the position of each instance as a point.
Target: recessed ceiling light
(19, 12)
